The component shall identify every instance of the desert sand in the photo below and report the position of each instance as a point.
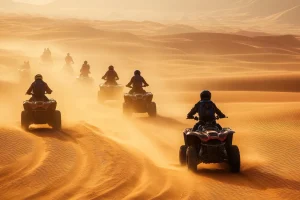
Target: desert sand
(100, 154)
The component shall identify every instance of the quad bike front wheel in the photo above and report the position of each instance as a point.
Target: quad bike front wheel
(234, 159)
(57, 120)
(182, 155)
(191, 157)
(24, 120)
(152, 109)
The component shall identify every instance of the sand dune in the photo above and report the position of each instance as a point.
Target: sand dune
(100, 154)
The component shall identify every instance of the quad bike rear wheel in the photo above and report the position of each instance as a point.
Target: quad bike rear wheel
(234, 159)
(25, 120)
(57, 120)
(191, 157)
(127, 110)
(152, 109)
(182, 155)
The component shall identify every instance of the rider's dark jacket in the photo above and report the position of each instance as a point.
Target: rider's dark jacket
(196, 109)
(85, 69)
(137, 82)
(111, 75)
(38, 88)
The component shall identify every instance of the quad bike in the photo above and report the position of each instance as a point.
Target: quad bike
(209, 144)
(39, 111)
(109, 92)
(139, 103)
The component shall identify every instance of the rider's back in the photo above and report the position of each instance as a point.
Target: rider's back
(39, 88)
(137, 81)
(206, 110)
(111, 75)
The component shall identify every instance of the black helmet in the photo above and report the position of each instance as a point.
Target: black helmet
(205, 95)
(137, 72)
(111, 67)
(38, 76)
(85, 62)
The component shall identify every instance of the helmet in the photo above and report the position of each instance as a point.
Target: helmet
(38, 76)
(205, 95)
(137, 72)
(111, 67)
(85, 62)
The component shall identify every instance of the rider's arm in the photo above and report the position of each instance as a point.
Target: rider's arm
(105, 75)
(48, 90)
(130, 83)
(219, 112)
(144, 82)
(30, 89)
(116, 75)
(193, 111)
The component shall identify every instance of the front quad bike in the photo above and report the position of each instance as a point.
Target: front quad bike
(209, 144)
(109, 92)
(40, 112)
(139, 103)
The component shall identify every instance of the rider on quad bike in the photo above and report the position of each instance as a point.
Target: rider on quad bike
(206, 110)
(111, 76)
(137, 83)
(38, 89)
(69, 59)
(85, 69)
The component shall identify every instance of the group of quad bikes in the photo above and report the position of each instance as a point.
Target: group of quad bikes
(208, 144)
(39, 111)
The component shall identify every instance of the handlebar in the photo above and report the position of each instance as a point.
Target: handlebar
(33, 94)
(106, 79)
(132, 87)
(197, 118)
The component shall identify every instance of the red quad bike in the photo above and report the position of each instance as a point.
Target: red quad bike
(109, 92)
(209, 144)
(139, 103)
(39, 111)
